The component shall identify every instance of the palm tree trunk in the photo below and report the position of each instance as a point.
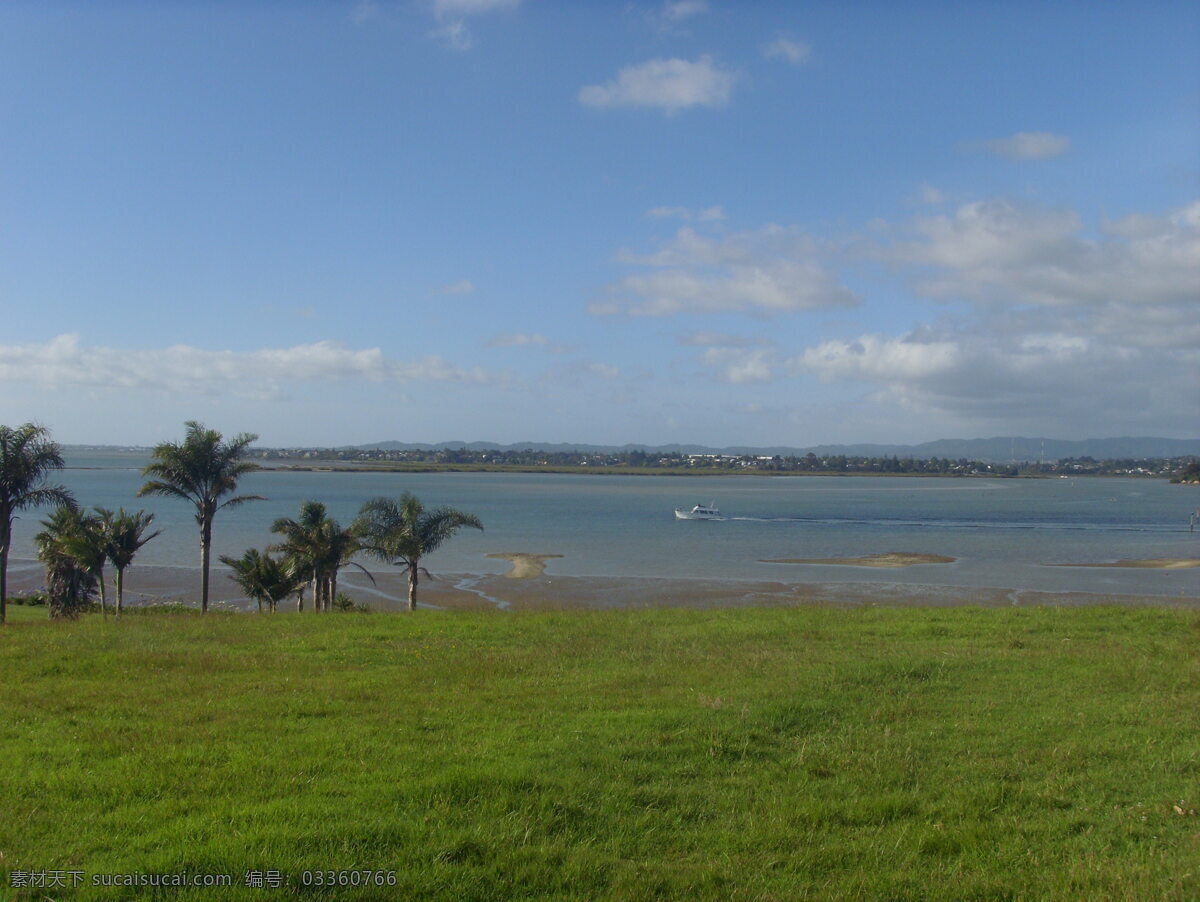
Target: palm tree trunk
(103, 600)
(4, 577)
(412, 587)
(205, 555)
(300, 600)
(332, 587)
(120, 589)
(316, 593)
(5, 542)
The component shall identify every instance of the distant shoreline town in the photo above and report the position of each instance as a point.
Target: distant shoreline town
(687, 460)
(716, 463)
(1178, 469)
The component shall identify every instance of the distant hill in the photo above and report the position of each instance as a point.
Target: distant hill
(997, 450)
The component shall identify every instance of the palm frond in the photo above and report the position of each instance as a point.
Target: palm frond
(46, 496)
(239, 500)
(170, 489)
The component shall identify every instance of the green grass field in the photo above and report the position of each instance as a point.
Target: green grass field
(756, 753)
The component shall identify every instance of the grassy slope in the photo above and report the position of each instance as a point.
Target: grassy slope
(751, 753)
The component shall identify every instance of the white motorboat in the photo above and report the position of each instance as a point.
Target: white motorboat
(699, 512)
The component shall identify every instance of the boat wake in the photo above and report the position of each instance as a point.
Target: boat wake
(967, 524)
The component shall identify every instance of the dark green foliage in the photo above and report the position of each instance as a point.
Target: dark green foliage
(1190, 472)
(346, 604)
(124, 534)
(33, 599)
(202, 469)
(266, 579)
(27, 457)
(401, 532)
(317, 547)
(71, 579)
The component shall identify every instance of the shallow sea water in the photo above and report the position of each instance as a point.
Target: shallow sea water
(1003, 532)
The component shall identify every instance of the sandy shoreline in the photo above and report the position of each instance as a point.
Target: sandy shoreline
(539, 591)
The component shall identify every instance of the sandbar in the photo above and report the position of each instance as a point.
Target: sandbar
(890, 560)
(1160, 563)
(525, 566)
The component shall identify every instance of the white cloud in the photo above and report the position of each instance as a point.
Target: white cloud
(443, 8)
(463, 286)
(737, 359)
(773, 270)
(1059, 324)
(1138, 280)
(667, 84)
(678, 10)
(1069, 327)
(454, 35)
(519, 340)
(718, 339)
(741, 366)
(671, 16)
(787, 49)
(708, 214)
(931, 195)
(528, 340)
(774, 287)
(579, 373)
(603, 370)
(364, 11)
(1060, 381)
(1029, 146)
(874, 358)
(669, 213)
(65, 361)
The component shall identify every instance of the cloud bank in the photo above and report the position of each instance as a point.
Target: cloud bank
(1073, 326)
(65, 361)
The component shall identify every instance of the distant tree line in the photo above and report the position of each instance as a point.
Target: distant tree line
(675, 461)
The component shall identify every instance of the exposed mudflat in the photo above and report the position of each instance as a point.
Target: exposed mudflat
(549, 591)
(1159, 563)
(890, 559)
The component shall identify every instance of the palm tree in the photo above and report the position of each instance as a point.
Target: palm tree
(402, 532)
(125, 535)
(201, 469)
(318, 547)
(69, 583)
(301, 545)
(87, 542)
(340, 546)
(264, 578)
(27, 455)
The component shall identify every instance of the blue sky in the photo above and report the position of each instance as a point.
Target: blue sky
(714, 222)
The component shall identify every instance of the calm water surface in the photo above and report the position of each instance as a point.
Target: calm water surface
(1003, 532)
